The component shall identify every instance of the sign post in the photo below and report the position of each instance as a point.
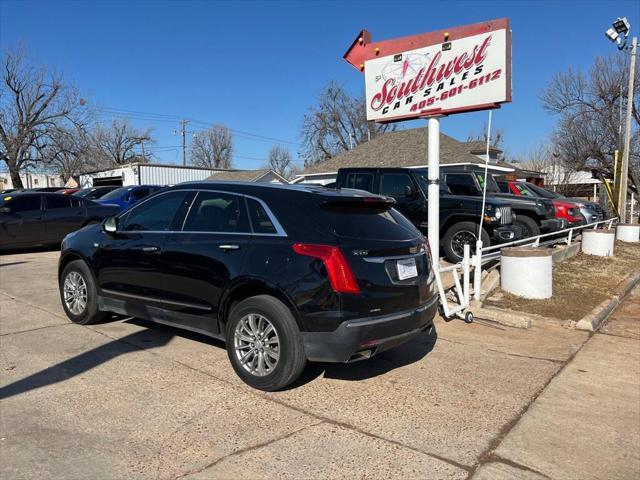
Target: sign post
(430, 75)
(433, 189)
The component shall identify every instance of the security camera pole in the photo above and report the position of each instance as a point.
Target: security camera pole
(627, 136)
(618, 34)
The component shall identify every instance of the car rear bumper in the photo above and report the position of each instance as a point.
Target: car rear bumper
(362, 338)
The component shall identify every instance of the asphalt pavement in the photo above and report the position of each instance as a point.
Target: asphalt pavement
(129, 399)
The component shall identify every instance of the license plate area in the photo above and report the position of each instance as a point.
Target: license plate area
(406, 268)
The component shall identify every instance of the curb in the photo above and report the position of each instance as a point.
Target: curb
(593, 320)
(504, 317)
(565, 252)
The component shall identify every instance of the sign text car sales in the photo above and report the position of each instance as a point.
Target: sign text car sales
(469, 73)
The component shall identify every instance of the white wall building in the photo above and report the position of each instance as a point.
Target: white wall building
(31, 180)
(158, 174)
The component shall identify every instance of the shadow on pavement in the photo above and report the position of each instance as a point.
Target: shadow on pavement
(11, 263)
(381, 364)
(82, 363)
(159, 335)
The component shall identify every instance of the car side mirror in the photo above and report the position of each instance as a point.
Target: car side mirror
(5, 210)
(110, 225)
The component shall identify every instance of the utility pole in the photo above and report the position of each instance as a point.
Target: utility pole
(184, 142)
(624, 171)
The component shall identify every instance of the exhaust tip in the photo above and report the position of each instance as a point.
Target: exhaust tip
(360, 355)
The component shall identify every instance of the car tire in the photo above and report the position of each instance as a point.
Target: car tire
(76, 279)
(529, 226)
(273, 329)
(456, 234)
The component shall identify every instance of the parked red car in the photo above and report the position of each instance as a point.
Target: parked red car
(565, 209)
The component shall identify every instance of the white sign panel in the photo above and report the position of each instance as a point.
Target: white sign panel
(470, 73)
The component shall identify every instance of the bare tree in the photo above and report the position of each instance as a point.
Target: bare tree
(337, 123)
(558, 175)
(280, 160)
(497, 136)
(589, 108)
(68, 152)
(212, 148)
(34, 103)
(120, 143)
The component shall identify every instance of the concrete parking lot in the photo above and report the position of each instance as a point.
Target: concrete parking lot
(128, 399)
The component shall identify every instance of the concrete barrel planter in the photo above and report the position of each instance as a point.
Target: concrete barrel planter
(527, 272)
(598, 242)
(628, 232)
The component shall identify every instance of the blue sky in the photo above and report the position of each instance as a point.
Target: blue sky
(258, 66)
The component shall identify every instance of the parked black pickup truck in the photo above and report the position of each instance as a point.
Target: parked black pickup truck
(459, 215)
(534, 215)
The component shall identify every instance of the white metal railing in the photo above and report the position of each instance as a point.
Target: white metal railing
(558, 236)
(461, 304)
(565, 235)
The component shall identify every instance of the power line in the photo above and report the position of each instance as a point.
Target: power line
(169, 118)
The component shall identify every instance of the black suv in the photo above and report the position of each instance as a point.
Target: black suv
(284, 274)
(459, 216)
(533, 215)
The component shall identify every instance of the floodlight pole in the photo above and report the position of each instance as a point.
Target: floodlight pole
(624, 173)
(433, 189)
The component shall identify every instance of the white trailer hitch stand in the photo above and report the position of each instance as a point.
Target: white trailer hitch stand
(461, 309)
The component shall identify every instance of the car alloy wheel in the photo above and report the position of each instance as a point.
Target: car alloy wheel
(256, 345)
(459, 240)
(75, 293)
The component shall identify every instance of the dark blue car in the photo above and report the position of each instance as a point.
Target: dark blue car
(124, 197)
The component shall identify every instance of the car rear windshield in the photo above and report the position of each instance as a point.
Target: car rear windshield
(364, 221)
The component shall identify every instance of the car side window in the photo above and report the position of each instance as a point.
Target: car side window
(140, 193)
(25, 204)
(504, 187)
(76, 202)
(360, 181)
(57, 201)
(395, 184)
(461, 184)
(155, 215)
(217, 212)
(260, 220)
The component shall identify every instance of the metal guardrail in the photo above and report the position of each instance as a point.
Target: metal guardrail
(461, 304)
(565, 235)
(480, 257)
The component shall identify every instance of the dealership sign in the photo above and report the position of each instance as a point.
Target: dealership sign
(450, 71)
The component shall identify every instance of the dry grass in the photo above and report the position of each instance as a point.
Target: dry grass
(579, 284)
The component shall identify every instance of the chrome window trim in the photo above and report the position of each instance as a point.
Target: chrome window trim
(280, 231)
(398, 257)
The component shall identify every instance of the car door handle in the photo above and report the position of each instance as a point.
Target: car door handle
(150, 249)
(229, 247)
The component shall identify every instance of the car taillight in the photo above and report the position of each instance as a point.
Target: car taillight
(338, 269)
